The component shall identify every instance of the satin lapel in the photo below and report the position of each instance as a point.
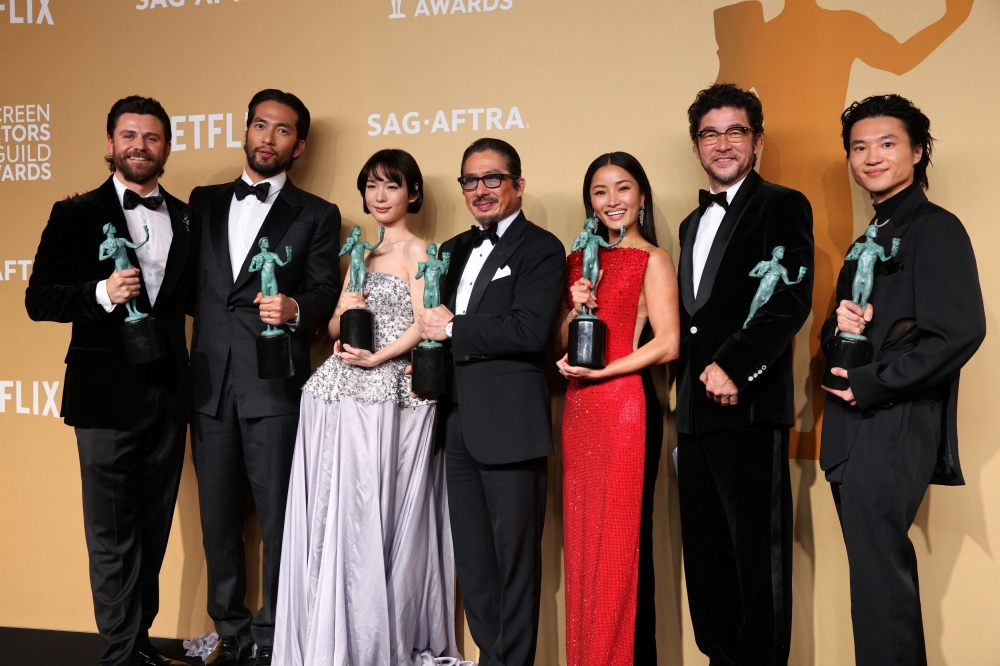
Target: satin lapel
(218, 223)
(687, 263)
(726, 229)
(459, 258)
(116, 216)
(506, 246)
(284, 210)
(180, 246)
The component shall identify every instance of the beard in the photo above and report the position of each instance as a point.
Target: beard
(267, 168)
(743, 162)
(487, 219)
(138, 172)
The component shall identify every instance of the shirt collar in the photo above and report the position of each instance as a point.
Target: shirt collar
(277, 182)
(120, 188)
(505, 222)
(731, 192)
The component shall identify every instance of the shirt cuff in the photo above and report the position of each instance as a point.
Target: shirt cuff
(292, 325)
(102, 296)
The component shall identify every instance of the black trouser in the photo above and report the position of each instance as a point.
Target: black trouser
(497, 515)
(229, 452)
(879, 491)
(130, 479)
(736, 526)
(645, 606)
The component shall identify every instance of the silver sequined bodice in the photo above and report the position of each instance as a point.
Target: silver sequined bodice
(389, 301)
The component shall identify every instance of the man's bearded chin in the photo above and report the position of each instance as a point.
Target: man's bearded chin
(138, 172)
(487, 219)
(730, 178)
(268, 169)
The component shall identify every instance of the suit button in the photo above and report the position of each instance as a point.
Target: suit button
(468, 358)
(750, 379)
(694, 329)
(232, 308)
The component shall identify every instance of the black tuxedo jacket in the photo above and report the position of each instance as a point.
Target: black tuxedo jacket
(226, 321)
(499, 345)
(758, 359)
(932, 283)
(101, 389)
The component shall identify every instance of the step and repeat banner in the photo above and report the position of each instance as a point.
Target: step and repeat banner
(563, 82)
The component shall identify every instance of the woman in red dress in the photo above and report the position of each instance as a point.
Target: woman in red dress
(612, 426)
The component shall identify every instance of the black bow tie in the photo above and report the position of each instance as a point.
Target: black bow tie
(706, 199)
(130, 200)
(244, 189)
(490, 234)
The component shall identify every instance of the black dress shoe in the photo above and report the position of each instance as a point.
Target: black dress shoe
(231, 651)
(150, 656)
(263, 656)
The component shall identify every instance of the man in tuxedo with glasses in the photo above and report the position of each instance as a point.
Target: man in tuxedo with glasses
(499, 301)
(244, 427)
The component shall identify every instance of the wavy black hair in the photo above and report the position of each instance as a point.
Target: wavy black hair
(143, 106)
(620, 159)
(917, 125)
(399, 167)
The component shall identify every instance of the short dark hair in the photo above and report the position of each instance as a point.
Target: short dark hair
(917, 125)
(399, 167)
(620, 159)
(510, 155)
(288, 99)
(144, 106)
(721, 96)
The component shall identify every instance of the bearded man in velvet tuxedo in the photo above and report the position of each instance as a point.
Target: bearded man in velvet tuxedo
(243, 429)
(734, 387)
(130, 420)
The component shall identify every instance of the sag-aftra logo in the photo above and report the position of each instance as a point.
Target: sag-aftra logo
(486, 118)
(27, 11)
(444, 7)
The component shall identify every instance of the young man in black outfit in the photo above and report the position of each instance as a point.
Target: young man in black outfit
(893, 431)
(734, 388)
(130, 420)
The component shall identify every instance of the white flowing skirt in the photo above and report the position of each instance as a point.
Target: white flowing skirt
(367, 562)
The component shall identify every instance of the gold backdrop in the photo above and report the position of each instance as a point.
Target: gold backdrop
(563, 82)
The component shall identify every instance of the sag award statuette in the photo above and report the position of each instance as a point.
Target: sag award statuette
(274, 346)
(139, 332)
(770, 272)
(587, 333)
(849, 350)
(430, 359)
(357, 325)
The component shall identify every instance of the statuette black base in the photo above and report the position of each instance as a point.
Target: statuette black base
(274, 357)
(845, 353)
(431, 371)
(357, 328)
(586, 343)
(143, 343)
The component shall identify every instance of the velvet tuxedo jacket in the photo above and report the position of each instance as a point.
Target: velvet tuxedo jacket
(758, 359)
(101, 389)
(226, 321)
(932, 283)
(499, 345)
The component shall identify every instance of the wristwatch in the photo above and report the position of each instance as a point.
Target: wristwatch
(448, 327)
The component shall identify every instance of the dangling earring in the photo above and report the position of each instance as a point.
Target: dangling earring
(642, 215)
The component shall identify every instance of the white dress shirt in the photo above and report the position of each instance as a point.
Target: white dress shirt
(475, 264)
(246, 218)
(707, 228)
(153, 255)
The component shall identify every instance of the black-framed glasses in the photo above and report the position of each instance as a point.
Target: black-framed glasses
(734, 134)
(490, 180)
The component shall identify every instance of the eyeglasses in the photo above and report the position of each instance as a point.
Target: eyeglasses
(490, 180)
(734, 134)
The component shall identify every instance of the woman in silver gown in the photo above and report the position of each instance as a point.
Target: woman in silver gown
(367, 566)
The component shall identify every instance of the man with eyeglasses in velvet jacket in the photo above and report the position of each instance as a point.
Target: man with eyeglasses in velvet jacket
(499, 301)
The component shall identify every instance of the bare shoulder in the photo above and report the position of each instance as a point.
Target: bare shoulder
(415, 249)
(659, 259)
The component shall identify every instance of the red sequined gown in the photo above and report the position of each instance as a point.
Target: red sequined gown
(603, 456)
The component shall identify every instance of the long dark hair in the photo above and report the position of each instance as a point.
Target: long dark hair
(619, 159)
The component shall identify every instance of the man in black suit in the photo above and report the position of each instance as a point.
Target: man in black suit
(734, 387)
(130, 420)
(244, 427)
(499, 300)
(893, 431)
